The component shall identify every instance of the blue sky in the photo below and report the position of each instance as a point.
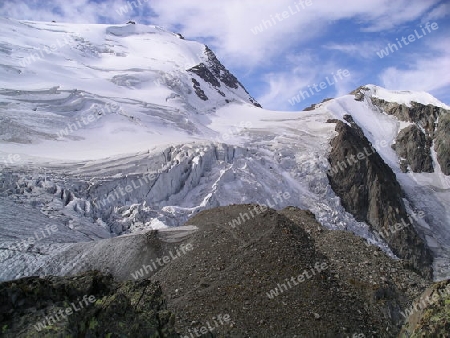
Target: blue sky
(290, 54)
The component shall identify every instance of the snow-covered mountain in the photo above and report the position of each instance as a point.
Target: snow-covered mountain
(112, 130)
(107, 86)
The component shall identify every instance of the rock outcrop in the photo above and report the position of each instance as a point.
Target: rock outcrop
(246, 272)
(87, 305)
(430, 123)
(442, 143)
(369, 190)
(429, 315)
(413, 149)
(236, 281)
(214, 73)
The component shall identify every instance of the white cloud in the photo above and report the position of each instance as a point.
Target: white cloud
(346, 85)
(73, 11)
(229, 24)
(429, 73)
(437, 13)
(282, 87)
(366, 50)
(382, 19)
(227, 27)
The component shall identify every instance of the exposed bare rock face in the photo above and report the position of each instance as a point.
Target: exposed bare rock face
(430, 123)
(214, 73)
(442, 143)
(87, 305)
(369, 190)
(233, 270)
(233, 282)
(429, 315)
(413, 147)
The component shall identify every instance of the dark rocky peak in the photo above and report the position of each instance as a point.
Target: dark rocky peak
(442, 143)
(413, 143)
(275, 264)
(205, 73)
(425, 116)
(220, 71)
(413, 148)
(214, 73)
(369, 190)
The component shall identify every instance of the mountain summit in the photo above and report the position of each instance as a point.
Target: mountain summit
(93, 81)
(116, 140)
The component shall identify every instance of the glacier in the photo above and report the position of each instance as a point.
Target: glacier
(106, 133)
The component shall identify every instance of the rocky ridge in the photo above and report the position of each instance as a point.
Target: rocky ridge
(214, 73)
(429, 315)
(57, 307)
(429, 125)
(369, 190)
(233, 271)
(244, 274)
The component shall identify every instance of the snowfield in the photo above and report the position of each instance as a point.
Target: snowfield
(102, 134)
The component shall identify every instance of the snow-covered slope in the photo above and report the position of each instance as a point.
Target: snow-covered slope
(106, 86)
(108, 132)
(404, 96)
(426, 193)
